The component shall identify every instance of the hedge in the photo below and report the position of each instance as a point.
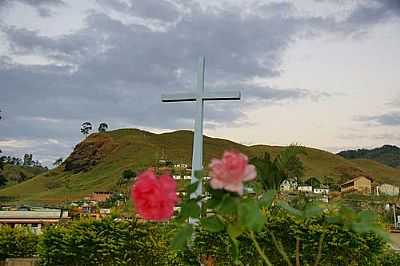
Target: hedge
(108, 242)
(17, 242)
(105, 242)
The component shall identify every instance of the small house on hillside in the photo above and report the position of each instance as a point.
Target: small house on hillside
(289, 185)
(387, 189)
(100, 196)
(305, 189)
(361, 184)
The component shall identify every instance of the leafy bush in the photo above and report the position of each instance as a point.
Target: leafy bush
(107, 242)
(17, 242)
(340, 245)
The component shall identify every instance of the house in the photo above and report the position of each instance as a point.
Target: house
(324, 190)
(35, 219)
(387, 189)
(361, 184)
(180, 166)
(305, 188)
(100, 196)
(288, 185)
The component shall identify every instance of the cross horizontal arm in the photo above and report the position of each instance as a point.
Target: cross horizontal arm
(178, 97)
(222, 95)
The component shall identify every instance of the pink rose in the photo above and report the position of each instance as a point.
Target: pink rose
(230, 172)
(154, 198)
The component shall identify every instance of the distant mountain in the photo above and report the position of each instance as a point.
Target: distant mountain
(96, 164)
(387, 154)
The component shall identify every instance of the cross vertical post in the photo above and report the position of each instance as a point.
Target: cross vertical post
(197, 159)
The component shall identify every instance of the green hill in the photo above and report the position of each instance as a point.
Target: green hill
(19, 173)
(387, 154)
(97, 163)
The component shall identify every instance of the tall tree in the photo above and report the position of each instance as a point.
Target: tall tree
(272, 172)
(58, 162)
(3, 179)
(28, 160)
(103, 127)
(86, 127)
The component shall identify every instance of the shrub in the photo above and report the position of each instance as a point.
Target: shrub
(107, 242)
(340, 246)
(17, 242)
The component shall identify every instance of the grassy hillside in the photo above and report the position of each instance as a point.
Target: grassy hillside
(14, 173)
(97, 163)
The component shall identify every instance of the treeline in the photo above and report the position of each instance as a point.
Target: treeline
(26, 161)
(20, 170)
(387, 154)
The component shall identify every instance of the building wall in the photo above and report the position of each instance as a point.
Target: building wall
(360, 184)
(363, 185)
(348, 187)
(389, 190)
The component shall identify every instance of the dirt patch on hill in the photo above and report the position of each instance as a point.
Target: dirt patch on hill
(90, 152)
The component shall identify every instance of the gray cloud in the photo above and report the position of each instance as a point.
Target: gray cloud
(114, 71)
(387, 119)
(43, 7)
(156, 9)
(374, 11)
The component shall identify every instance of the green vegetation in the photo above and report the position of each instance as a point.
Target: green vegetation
(17, 173)
(89, 242)
(98, 162)
(17, 242)
(387, 154)
(108, 242)
(286, 165)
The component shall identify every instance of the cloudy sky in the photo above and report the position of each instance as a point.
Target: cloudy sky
(320, 73)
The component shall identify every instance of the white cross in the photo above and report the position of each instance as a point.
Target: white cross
(199, 96)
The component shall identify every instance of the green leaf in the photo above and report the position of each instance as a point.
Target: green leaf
(228, 205)
(190, 208)
(212, 224)
(235, 230)
(267, 198)
(212, 203)
(235, 251)
(199, 174)
(250, 215)
(191, 187)
(182, 236)
(295, 212)
(367, 217)
(312, 211)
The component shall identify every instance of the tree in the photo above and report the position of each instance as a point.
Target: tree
(103, 127)
(1, 162)
(86, 127)
(3, 180)
(28, 160)
(58, 162)
(127, 175)
(313, 181)
(272, 172)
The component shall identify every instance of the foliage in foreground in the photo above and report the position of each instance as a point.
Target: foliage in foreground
(107, 242)
(17, 242)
